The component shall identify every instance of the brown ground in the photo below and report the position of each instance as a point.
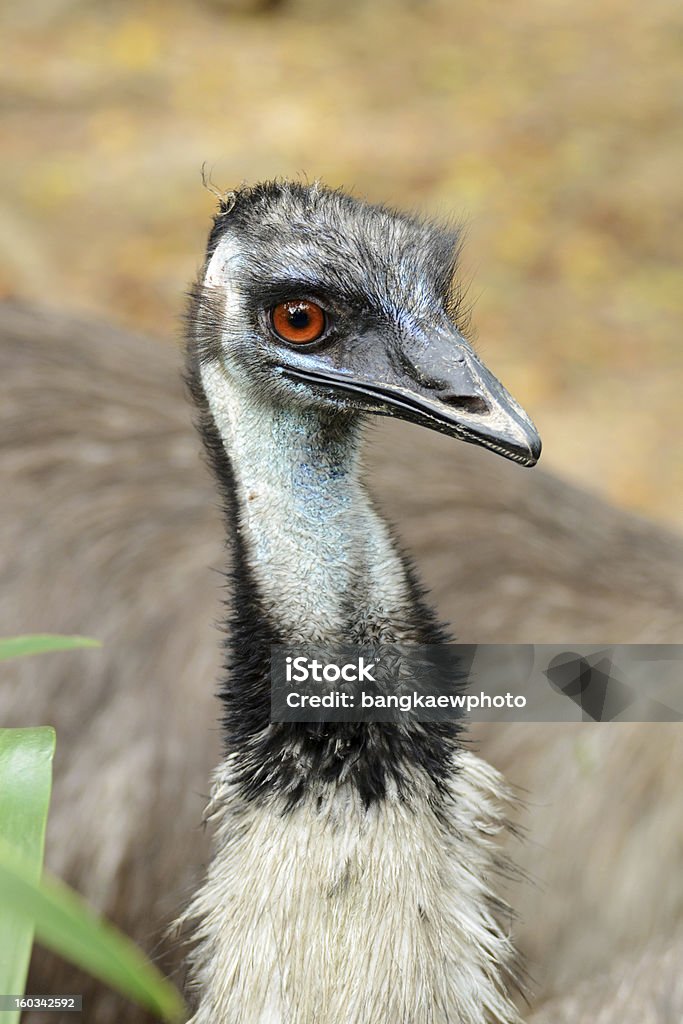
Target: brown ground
(554, 126)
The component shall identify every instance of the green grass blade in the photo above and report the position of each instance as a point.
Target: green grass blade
(65, 923)
(20, 646)
(25, 785)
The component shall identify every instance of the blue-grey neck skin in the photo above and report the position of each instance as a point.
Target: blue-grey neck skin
(320, 556)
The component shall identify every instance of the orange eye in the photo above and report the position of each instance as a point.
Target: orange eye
(298, 321)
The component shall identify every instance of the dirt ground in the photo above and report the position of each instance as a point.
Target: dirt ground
(552, 127)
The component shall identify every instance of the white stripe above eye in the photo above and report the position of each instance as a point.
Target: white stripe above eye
(225, 264)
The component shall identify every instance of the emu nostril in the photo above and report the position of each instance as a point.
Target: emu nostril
(469, 403)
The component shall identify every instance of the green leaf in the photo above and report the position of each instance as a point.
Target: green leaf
(67, 925)
(20, 646)
(25, 785)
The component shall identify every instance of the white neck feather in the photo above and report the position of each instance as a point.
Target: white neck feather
(334, 913)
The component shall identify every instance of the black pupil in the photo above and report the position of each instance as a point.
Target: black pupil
(298, 317)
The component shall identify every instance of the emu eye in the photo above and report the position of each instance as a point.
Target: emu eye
(298, 321)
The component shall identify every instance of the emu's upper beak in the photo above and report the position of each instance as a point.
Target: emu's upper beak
(439, 383)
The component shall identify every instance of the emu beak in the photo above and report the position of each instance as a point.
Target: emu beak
(439, 383)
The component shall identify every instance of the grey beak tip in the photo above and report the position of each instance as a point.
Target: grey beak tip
(535, 448)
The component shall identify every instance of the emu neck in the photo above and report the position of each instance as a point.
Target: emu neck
(313, 563)
(319, 555)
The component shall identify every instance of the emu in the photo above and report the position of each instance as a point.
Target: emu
(351, 878)
(107, 501)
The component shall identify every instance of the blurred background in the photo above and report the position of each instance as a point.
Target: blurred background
(552, 127)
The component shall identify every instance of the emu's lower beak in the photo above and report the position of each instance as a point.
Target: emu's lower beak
(444, 386)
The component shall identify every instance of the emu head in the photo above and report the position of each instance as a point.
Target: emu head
(314, 300)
